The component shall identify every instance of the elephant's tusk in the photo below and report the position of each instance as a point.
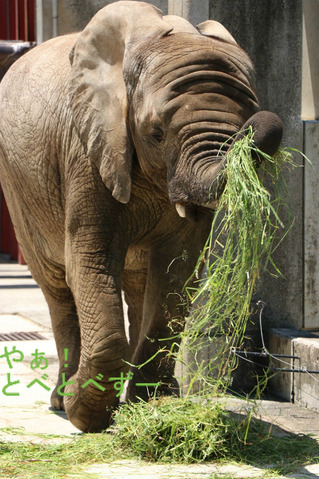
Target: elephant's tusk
(181, 210)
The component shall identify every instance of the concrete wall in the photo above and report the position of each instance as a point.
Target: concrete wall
(310, 113)
(311, 229)
(271, 32)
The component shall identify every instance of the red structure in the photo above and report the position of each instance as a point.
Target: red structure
(17, 20)
(17, 23)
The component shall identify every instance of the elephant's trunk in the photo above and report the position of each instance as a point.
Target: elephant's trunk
(267, 128)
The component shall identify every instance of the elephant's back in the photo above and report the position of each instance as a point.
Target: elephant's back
(33, 106)
(38, 79)
(50, 55)
(33, 102)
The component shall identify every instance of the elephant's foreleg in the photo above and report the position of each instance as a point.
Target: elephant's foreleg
(95, 277)
(163, 319)
(171, 265)
(92, 393)
(95, 253)
(156, 348)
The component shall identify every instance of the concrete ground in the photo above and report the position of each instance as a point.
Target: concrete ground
(28, 371)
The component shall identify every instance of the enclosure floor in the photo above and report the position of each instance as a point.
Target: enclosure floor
(25, 409)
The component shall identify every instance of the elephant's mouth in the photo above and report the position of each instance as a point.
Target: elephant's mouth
(193, 212)
(201, 198)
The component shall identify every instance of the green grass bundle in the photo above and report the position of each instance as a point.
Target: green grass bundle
(244, 234)
(174, 430)
(182, 430)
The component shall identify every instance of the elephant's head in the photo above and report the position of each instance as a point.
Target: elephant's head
(172, 93)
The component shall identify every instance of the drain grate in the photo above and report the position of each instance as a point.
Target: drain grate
(21, 336)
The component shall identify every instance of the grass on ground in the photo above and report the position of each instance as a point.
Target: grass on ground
(168, 430)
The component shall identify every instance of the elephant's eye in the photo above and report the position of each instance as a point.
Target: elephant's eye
(157, 134)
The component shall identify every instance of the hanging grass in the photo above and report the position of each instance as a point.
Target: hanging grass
(245, 232)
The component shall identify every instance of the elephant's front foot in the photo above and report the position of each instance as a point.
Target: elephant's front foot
(90, 405)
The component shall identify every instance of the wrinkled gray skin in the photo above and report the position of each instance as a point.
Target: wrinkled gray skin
(104, 136)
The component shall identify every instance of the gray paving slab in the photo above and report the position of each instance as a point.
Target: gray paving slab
(140, 470)
(20, 295)
(25, 405)
(128, 469)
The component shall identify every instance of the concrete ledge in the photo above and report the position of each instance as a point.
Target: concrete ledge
(303, 346)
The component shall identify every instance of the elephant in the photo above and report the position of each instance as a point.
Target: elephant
(113, 155)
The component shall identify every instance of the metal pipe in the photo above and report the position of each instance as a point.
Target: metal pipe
(39, 21)
(55, 25)
(287, 370)
(265, 354)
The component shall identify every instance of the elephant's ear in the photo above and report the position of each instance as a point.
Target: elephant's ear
(211, 28)
(97, 90)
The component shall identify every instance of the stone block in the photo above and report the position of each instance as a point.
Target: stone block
(302, 388)
(280, 342)
(306, 384)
